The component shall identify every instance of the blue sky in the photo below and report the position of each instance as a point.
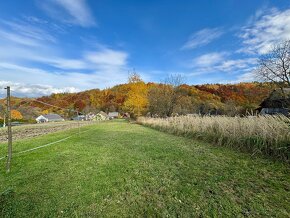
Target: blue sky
(72, 45)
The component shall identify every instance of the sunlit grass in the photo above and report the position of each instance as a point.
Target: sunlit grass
(117, 169)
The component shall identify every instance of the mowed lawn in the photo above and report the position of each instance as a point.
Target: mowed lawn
(127, 170)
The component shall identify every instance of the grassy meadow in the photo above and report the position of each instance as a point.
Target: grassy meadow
(118, 169)
(266, 135)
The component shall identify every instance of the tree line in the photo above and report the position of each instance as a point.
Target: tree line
(151, 99)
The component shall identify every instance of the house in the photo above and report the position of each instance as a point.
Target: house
(102, 116)
(90, 117)
(278, 102)
(49, 118)
(113, 115)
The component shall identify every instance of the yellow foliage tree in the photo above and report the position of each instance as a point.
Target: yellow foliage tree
(16, 115)
(137, 100)
(45, 112)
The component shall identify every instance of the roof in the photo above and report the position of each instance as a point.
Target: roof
(113, 114)
(52, 117)
(103, 113)
(276, 99)
(79, 117)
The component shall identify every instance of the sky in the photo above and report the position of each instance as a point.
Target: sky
(54, 46)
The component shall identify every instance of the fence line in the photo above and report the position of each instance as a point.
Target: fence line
(42, 146)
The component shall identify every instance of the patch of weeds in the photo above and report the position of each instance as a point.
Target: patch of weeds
(6, 203)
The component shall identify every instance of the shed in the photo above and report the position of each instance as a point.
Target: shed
(113, 115)
(49, 118)
(278, 102)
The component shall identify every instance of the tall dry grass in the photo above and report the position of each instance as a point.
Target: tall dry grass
(269, 135)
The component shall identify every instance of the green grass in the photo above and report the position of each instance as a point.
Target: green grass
(121, 169)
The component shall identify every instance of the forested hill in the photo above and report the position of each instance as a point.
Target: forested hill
(139, 98)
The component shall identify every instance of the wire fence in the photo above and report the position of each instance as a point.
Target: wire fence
(62, 127)
(42, 146)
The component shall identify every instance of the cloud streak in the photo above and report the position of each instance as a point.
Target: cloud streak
(209, 59)
(58, 81)
(202, 37)
(266, 29)
(32, 90)
(68, 11)
(36, 66)
(107, 57)
(221, 62)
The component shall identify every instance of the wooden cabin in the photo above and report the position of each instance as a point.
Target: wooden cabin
(278, 102)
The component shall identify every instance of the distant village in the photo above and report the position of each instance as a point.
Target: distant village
(52, 117)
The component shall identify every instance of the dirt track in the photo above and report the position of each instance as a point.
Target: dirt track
(32, 130)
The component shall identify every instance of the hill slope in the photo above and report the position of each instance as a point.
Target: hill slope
(210, 98)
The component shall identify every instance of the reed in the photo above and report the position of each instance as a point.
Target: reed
(267, 135)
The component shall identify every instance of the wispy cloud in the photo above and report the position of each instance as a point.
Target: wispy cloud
(202, 37)
(24, 34)
(209, 59)
(243, 77)
(32, 90)
(30, 31)
(18, 38)
(58, 81)
(63, 63)
(108, 57)
(35, 65)
(221, 62)
(76, 11)
(264, 30)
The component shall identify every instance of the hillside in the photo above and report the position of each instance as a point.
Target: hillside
(140, 98)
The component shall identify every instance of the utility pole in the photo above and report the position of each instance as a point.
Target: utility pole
(8, 114)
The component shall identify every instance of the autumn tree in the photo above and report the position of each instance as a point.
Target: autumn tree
(184, 105)
(163, 98)
(79, 105)
(134, 77)
(45, 111)
(137, 98)
(275, 66)
(108, 100)
(159, 99)
(16, 115)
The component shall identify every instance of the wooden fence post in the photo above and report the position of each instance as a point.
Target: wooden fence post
(8, 114)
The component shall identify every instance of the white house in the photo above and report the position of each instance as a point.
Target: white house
(113, 115)
(102, 116)
(49, 118)
(90, 116)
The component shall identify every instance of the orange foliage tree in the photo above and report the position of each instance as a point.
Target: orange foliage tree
(16, 115)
